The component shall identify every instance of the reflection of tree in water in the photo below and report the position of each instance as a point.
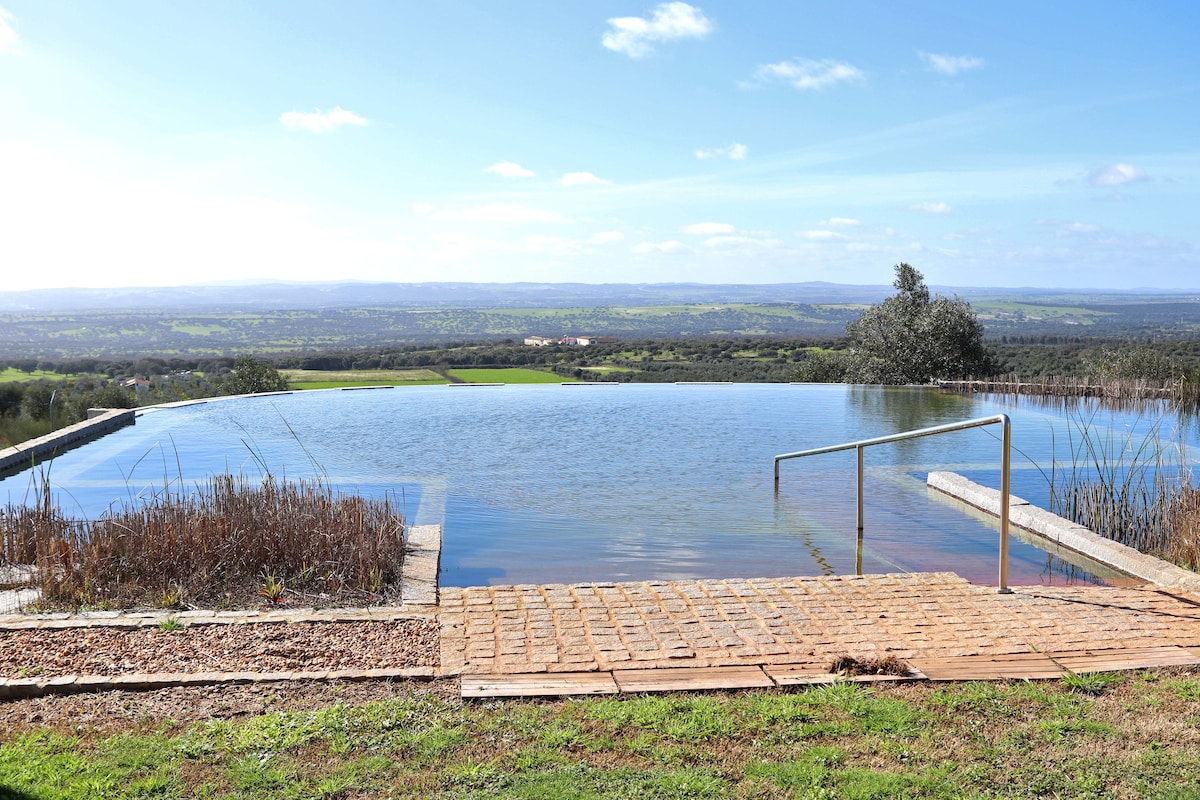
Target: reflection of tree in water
(886, 410)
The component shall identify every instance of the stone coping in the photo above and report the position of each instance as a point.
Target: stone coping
(1064, 533)
(22, 456)
(18, 688)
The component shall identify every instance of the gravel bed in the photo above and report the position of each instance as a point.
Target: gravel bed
(251, 647)
(106, 713)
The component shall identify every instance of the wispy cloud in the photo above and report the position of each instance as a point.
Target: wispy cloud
(10, 43)
(509, 169)
(607, 237)
(320, 121)
(507, 213)
(582, 179)
(709, 228)
(734, 152)
(841, 222)
(950, 65)
(1116, 175)
(660, 247)
(636, 36)
(823, 236)
(931, 208)
(809, 75)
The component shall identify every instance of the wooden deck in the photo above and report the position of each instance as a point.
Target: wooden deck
(1014, 666)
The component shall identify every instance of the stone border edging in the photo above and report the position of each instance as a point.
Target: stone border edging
(20, 688)
(25, 455)
(1065, 533)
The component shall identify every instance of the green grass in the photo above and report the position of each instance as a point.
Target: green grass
(12, 374)
(343, 379)
(507, 375)
(1139, 738)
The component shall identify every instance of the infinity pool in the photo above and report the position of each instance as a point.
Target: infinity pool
(539, 484)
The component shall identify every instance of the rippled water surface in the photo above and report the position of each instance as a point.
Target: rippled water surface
(539, 484)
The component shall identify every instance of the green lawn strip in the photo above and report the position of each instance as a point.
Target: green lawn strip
(1139, 737)
(507, 375)
(12, 374)
(308, 378)
(304, 385)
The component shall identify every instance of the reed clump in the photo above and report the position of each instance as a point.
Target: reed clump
(230, 542)
(1134, 490)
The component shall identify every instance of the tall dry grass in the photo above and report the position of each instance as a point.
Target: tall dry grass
(1136, 490)
(217, 545)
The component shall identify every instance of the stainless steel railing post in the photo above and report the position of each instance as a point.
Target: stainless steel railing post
(1005, 468)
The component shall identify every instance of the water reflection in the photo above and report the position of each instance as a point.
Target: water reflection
(550, 483)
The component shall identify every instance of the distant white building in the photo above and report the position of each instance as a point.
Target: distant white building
(542, 341)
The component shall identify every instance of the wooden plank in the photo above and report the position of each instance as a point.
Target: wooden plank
(537, 684)
(967, 668)
(800, 674)
(1129, 658)
(691, 679)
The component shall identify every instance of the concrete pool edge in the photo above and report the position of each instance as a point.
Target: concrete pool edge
(26, 455)
(1064, 533)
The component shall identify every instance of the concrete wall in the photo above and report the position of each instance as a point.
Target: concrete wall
(35, 451)
(1064, 533)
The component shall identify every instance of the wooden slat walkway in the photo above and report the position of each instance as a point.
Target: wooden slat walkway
(1019, 666)
(691, 679)
(1115, 660)
(989, 667)
(539, 684)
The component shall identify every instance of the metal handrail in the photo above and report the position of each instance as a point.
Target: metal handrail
(1005, 463)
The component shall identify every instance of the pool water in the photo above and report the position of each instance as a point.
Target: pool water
(541, 484)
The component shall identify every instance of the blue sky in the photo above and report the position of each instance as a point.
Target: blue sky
(1002, 144)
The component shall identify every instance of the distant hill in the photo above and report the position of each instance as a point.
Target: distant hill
(302, 296)
(314, 317)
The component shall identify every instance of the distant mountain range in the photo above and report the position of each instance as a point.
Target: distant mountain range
(306, 296)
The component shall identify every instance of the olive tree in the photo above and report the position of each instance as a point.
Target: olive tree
(250, 376)
(913, 338)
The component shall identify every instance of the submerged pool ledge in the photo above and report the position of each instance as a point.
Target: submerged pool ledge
(1065, 533)
(28, 454)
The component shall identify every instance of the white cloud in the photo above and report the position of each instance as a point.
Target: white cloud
(509, 169)
(950, 65)
(9, 42)
(635, 36)
(709, 228)
(660, 247)
(931, 208)
(1079, 227)
(823, 236)
(841, 222)
(320, 122)
(734, 152)
(738, 241)
(807, 74)
(507, 213)
(582, 179)
(607, 237)
(1116, 175)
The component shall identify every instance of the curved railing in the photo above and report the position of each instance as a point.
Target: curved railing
(979, 422)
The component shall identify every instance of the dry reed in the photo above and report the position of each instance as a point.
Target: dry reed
(1134, 491)
(217, 545)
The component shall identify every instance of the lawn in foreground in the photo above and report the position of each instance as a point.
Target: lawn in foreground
(1134, 735)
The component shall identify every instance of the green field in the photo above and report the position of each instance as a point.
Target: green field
(346, 379)
(12, 374)
(507, 375)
